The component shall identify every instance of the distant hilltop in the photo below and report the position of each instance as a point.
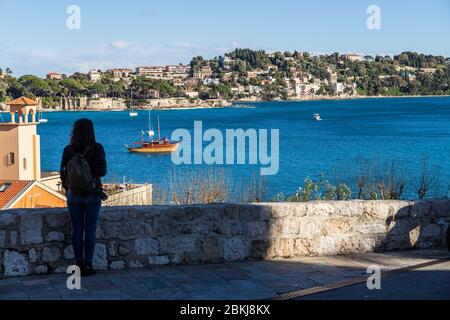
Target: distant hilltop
(244, 74)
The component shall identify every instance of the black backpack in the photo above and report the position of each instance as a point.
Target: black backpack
(79, 175)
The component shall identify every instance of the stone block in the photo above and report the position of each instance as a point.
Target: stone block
(187, 214)
(68, 253)
(256, 229)
(112, 215)
(31, 229)
(321, 208)
(286, 247)
(124, 249)
(399, 209)
(13, 238)
(100, 257)
(55, 236)
(299, 209)
(210, 247)
(125, 230)
(441, 208)
(60, 269)
(302, 247)
(231, 212)
(158, 260)
(33, 255)
(345, 208)
(41, 269)
(258, 248)
(370, 228)
(248, 212)
(117, 265)
(430, 231)
(421, 209)
(311, 228)
(2, 238)
(15, 264)
(56, 220)
(280, 210)
(146, 246)
(178, 244)
(233, 249)
(135, 264)
(7, 219)
(111, 246)
(51, 254)
(325, 246)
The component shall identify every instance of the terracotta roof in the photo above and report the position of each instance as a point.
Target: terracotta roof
(15, 188)
(23, 101)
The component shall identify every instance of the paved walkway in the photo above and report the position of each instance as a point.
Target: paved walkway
(242, 280)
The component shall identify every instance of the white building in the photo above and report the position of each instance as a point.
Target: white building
(95, 75)
(352, 56)
(150, 71)
(120, 73)
(338, 87)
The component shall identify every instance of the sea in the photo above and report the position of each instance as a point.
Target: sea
(409, 132)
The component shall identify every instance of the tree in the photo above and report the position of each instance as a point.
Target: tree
(97, 88)
(197, 63)
(3, 91)
(222, 91)
(35, 85)
(72, 87)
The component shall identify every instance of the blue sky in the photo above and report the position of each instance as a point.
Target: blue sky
(34, 38)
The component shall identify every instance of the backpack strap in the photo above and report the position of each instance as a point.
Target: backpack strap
(88, 148)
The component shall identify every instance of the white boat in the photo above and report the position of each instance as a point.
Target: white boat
(316, 117)
(42, 120)
(132, 113)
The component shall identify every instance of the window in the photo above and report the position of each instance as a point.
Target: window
(11, 159)
(4, 186)
(24, 163)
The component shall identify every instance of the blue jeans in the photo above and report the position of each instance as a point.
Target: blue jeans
(84, 211)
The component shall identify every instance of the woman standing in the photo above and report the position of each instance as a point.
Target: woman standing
(83, 164)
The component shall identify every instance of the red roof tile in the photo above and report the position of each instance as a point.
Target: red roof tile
(14, 189)
(23, 101)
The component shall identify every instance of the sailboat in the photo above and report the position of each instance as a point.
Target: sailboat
(159, 145)
(132, 113)
(40, 119)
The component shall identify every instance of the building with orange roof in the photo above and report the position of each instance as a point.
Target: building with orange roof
(21, 182)
(28, 194)
(54, 76)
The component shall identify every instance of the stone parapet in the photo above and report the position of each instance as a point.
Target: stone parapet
(37, 241)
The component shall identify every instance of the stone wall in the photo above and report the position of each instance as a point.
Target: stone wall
(38, 241)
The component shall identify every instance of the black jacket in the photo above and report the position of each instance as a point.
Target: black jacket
(95, 157)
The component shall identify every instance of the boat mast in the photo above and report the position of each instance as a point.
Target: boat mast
(131, 97)
(159, 131)
(150, 130)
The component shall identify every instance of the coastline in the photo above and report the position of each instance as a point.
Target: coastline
(328, 98)
(229, 103)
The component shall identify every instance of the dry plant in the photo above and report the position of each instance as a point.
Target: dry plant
(375, 181)
(365, 174)
(429, 179)
(201, 186)
(159, 195)
(252, 190)
(392, 181)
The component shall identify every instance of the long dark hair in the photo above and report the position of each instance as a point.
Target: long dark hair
(82, 135)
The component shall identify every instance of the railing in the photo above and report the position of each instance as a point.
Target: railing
(139, 195)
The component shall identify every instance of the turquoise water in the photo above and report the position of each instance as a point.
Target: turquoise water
(383, 129)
